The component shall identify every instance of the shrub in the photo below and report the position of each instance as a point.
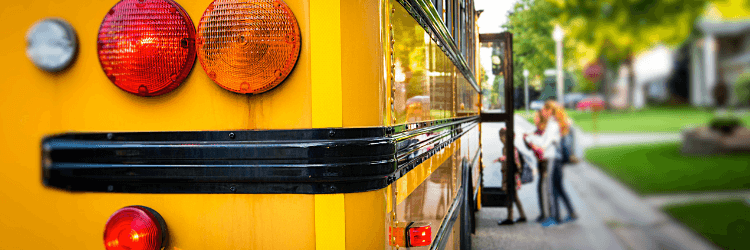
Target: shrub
(725, 124)
(742, 89)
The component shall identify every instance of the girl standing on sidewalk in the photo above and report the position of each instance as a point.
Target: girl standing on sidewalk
(507, 186)
(549, 143)
(543, 194)
(556, 114)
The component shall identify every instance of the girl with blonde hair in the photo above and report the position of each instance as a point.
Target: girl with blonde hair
(558, 117)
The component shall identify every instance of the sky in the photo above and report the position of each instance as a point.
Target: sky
(494, 15)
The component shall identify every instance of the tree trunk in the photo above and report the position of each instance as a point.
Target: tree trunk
(631, 81)
(606, 80)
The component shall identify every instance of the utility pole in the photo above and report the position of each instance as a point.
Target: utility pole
(526, 88)
(558, 34)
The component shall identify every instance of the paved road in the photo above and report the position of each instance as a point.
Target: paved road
(611, 216)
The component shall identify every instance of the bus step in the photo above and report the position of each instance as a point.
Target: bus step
(494, 197)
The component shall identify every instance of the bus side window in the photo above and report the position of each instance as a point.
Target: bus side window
(439, 7)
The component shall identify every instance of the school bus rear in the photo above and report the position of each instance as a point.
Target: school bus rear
(328, 159)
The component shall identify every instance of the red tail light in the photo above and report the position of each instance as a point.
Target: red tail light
(248, 46)
(415, 234)
(146, 47)
(420, 236)
(135, 228)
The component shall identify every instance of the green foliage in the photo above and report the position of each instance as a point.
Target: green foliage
(584, 84)
(531, 22)
(660, 168)
(619, 29)
(497, 92)
(725, 123)
(483, 76)
(742, 89)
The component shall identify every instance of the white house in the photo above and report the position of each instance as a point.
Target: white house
(722, 53)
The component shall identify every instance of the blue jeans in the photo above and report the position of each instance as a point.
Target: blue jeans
(543, 186)
(558, 192)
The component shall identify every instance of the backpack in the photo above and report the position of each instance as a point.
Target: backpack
(567, 147)
(527, 175)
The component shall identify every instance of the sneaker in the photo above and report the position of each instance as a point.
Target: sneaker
(540, 218)
(570, 218)
(549, 222)
(574, 159)
(505, 222)
(521, 220)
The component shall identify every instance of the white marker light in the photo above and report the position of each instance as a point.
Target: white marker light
(51, 44)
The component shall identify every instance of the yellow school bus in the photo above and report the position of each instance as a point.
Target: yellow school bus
(238, 124)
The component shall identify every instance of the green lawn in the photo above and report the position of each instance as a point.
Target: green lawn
(655, 119)
(727, 224)
(660, 168)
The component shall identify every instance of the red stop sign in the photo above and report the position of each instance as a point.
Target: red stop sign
(594, 72)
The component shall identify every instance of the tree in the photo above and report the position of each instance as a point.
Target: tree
(532, 22)
(617, 30)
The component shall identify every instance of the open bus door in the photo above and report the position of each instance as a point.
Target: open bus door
(493, 116)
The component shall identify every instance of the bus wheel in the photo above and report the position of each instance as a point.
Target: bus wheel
(466, 216)
(473, 209)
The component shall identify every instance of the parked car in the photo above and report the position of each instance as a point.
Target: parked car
(591, 103)
(572, 99)
(536, 105)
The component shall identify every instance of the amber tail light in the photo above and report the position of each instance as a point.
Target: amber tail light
(248, 46)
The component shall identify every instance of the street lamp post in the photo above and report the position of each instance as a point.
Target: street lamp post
(526, 88)
(558, 35)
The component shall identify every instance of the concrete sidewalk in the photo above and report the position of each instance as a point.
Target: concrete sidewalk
(610, 215)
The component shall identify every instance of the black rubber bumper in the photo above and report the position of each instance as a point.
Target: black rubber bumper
(309, 161)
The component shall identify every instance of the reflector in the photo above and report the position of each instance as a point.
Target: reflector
(135, 228)
(51, 44)
(146, 47)
(396, 236)
(248, 46)
(420, 236)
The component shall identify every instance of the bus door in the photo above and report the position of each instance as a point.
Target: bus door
(497, 112)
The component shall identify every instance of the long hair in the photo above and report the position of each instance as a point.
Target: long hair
(561, 116)
(542, 122)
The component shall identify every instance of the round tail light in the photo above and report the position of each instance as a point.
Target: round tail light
(146, 47)
(135, 228)
(248, 46)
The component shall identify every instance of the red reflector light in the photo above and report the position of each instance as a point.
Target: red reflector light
(146, 47)
(248, 46)
(135, 228)
(420, 236)
(415, 234)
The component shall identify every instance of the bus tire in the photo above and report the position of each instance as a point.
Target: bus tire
(466, 214)
(472, 203)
